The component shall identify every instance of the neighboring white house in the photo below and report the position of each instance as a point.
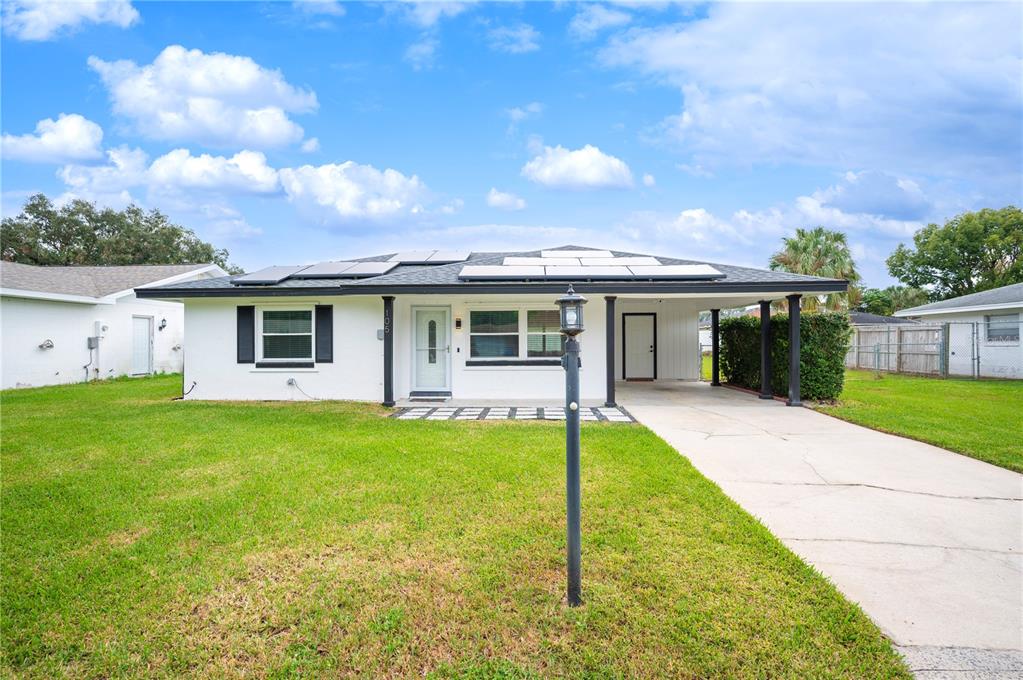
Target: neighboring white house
(71, 324)
(983, 331)
(464, 325)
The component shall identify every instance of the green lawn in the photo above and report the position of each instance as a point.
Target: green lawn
(980, 418)
(148, 537)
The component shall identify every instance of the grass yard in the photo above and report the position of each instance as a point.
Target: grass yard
(980, 418)
(146, 537)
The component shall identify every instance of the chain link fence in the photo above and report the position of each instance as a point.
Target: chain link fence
(959, 349)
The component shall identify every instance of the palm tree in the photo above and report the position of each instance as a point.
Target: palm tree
(818, 252)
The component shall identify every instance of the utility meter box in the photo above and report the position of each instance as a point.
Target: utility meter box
(92, 342)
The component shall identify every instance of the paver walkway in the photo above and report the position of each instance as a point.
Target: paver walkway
(586, 413)
(927, 541)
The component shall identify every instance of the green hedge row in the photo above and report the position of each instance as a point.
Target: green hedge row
(824, 341)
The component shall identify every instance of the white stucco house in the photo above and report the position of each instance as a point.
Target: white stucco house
(71, 324)
(982, 331)
(459, 325)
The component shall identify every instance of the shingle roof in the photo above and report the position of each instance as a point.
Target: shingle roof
(1009, 296)
(86, 281)
(866, 318)
(446, 275)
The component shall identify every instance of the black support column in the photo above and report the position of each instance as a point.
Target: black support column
(794, 351)
(715, 354)
(609, 345)
(765, 349)
(388, 350)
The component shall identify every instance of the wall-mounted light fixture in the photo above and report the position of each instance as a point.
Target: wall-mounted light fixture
(163, 324)
(46, 344)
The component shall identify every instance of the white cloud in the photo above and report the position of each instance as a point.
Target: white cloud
(346, 192)
(649, 180)
(504, 200)
(696, 170)
(877, 193)
(585, 168)
(521, 113)
(421, 55)
(176, 174)
(517, 114)
(217, 99)
(517, 39)
(46, 19)
(429, 14)
(310, 145)
(329, 7)
(223, 223)
(245, 172)
(107, 184)
(593, 18)
(776, 83)
(70, 137)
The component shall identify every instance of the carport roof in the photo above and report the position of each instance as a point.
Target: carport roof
(444, 278)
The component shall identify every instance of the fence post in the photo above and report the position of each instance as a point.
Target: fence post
(945, 348)
(877, 357)
(898, 349)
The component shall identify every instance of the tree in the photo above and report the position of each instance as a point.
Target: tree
(889, 300)
(818, 252)
(79, 233)
(971, 252)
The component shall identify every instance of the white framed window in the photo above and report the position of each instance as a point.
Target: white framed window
(543, 333)
(285, 334)
(493, 334)
(1002, 327)
(514, 333)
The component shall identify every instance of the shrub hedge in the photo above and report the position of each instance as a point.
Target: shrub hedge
(824, 341)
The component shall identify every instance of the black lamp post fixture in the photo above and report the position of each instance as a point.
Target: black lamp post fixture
(571, 326)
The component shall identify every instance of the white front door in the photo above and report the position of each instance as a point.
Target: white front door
(640, 346)
(141, 345)
(432, 349)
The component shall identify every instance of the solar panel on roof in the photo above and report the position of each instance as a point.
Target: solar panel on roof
(539, 261)
(618, 261)
(588, 273)
(677, 271)
(324, 270)
(364, 269)
(497, 272)
(413, 256)
(448, 256)
(576, 253)
(267, 276)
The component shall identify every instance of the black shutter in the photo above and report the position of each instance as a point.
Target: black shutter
(324, 334)
(246, 335)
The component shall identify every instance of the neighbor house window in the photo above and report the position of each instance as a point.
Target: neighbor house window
(286, 334)
(1002, 327)
(493, 334)
(543, 333)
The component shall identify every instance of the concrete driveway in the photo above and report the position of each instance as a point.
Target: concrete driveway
(927, 541)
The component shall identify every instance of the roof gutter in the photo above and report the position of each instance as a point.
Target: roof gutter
(604, 287)
(957, 310)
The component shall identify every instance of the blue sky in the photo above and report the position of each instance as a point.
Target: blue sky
(296, 132)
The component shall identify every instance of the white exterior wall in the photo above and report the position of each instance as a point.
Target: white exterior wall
(997, 359)
(357, 370)
(501, 382)
(26, 323)
(211, 361)
(678, 342)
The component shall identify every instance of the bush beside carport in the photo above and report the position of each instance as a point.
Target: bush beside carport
(824, 341)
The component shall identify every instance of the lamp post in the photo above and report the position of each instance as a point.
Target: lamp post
(572, 325)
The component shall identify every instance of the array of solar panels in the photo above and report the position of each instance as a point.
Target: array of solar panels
(583, 265)
(349, 270)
